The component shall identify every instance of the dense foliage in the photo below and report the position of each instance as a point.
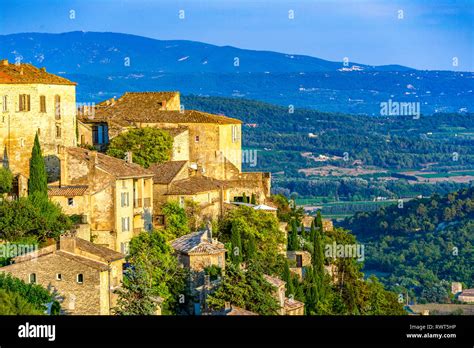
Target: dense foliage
(280, 135)
(147, 145)
(421, 246)
(6, 180)
(18, 297)
(154, 273)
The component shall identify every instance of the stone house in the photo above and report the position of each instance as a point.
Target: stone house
(299, 259)
(210, 143)
(84, 275)
(213, 140)
(288, 305)
(114, 198)
(32, 102)
(197, 251)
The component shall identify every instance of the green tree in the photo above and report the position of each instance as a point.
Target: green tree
(148, 146)
(293, 237)
(244, 198)
(253, 199)
(176, 220)
(319, 221)
(32, 217)
(38, 182)
(136, 296)
(35, 295)
(14, 304)
(6, 180)
(158, 269)
(247, 289)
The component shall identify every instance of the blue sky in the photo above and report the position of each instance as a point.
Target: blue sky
(429, 36)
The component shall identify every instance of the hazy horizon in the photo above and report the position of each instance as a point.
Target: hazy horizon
(417, 34)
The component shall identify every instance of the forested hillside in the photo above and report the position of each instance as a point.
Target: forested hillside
(422, 245)
(288, 141)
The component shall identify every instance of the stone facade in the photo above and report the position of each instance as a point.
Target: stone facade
(83, 275)
(116, 200)
(33, 101)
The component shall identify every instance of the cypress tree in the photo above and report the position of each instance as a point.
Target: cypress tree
(244, 198)
(319, 221)
(318, 256)
(251, 248)
(293, 237)
(253, 200)
(38, 182)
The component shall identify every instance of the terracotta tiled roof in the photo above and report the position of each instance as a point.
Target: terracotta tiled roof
(195, 184)
(274, 280)
(27, 73)
(166, 172)
(67, 191)
(145, 108)
(88, 262)
(100, 251)
(114, 166)
(197, 243)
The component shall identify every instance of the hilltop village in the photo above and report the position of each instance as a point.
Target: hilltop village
(143, 208)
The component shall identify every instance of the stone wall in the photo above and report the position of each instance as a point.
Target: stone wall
(77, 298)
(18, 128)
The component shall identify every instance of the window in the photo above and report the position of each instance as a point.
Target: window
(5, 103)
(32, 278)
(70, 202)
(24, 102)
(59, 276)
(125, 224)
(124, 248)
(80, 278)
(125, 199)
(197, 139)
(57, 107)
(160, 220)
(100, 134)
(42, 103)
(235, 134)
(58, 131)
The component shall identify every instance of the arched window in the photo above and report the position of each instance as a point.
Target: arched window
(80, 278)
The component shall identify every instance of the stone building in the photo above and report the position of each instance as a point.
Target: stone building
(114, 198)
(299, 259)
(83, 275)
(288, 305)
(197, 251)
(32, 102)
(214, 142)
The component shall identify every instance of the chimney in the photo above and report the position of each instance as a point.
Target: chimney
(67, 243)
(128, 157)
(43, 69)
(4, 62)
